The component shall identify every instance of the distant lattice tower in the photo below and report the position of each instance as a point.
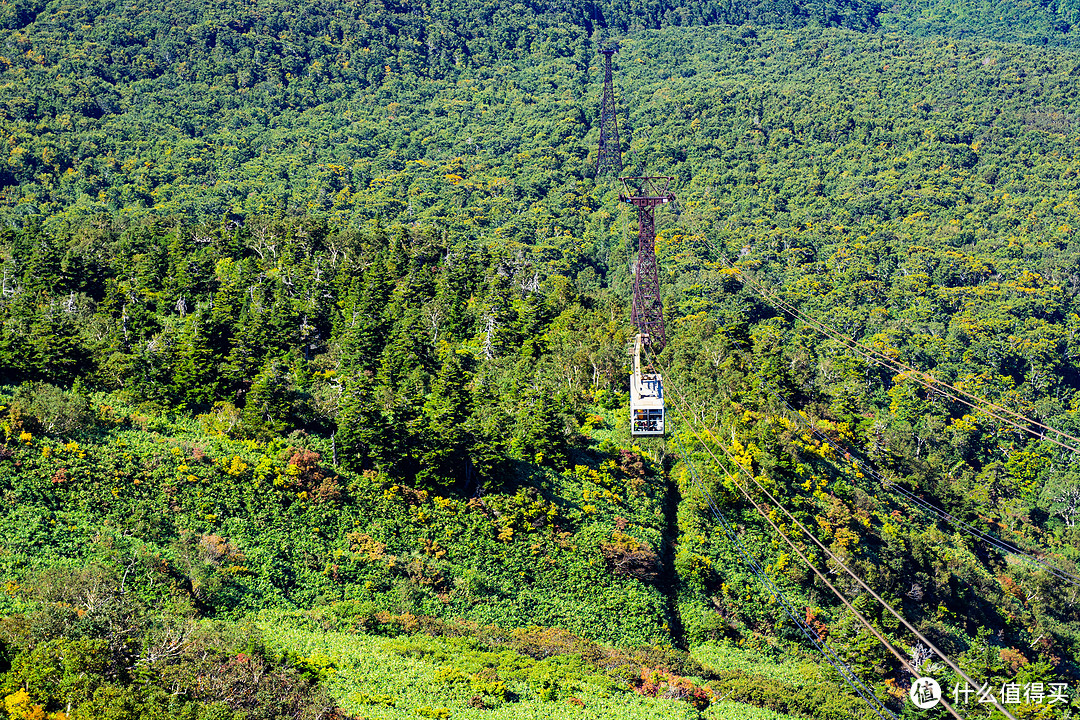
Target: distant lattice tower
(645, 193)
(610, 155)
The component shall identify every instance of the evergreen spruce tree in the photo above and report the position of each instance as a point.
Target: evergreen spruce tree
(57, 355)
(446, 437)
(367, 332)
(195, 375)
(267, 404)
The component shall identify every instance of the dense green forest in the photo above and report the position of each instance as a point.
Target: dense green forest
(313, 357)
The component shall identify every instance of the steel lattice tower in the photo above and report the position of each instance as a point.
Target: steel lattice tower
(645, 193)
(610, 155)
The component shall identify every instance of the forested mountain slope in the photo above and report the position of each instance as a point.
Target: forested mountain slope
(315, 317)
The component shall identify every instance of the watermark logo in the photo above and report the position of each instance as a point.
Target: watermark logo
(925, 693)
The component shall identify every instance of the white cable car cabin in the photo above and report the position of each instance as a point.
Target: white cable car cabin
(646, 398)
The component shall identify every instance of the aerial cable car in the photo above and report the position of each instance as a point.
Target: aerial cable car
(646, 397)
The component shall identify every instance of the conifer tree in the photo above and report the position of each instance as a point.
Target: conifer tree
(267, 404)
(367, 332)
(445, 436)
(195, 375)
(56, 351)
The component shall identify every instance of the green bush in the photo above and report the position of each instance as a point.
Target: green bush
(818, 702)
(50, 410)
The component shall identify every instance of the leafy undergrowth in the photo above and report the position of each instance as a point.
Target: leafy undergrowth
(782, 685)
(361, 579)
(725, 657)
(493, 674)
(237, 526)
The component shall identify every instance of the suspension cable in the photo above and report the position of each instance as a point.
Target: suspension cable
(928, 382)
(905, 663)
(999, 544)
(971, 400)
(811, 635)
(833, 557)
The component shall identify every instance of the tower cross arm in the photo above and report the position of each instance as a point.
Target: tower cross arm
(646, 190)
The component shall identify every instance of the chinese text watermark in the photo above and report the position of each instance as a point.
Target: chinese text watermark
(926, 693)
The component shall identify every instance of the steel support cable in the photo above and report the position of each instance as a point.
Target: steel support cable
(811, 635)
(897, 366)
(933, 648)
(932, 385)
(904, 662)
(999, 544)
(857, 579)
(1003, 546)
(924, 379)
